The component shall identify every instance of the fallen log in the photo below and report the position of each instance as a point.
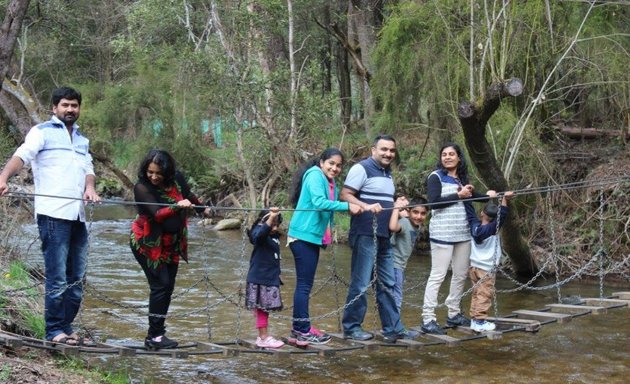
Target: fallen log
(591, 133)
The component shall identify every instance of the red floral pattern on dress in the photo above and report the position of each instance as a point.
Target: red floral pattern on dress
(158, 247)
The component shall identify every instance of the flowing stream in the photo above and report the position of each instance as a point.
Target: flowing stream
(588, 349)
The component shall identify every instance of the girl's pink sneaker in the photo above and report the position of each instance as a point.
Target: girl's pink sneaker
(269, 342)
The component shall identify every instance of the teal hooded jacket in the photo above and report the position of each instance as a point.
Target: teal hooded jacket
(310, 225)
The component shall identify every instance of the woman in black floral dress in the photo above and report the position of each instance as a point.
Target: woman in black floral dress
(158, 235)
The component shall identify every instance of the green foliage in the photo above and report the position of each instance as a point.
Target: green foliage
(18, 273)
(7, 146)
(155, 62)
(24, 308)
(422, 70)
(34, 323)
(5, 372)
(419, 63)
(93, 375)
(411, 175)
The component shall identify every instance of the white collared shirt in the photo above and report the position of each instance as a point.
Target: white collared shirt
(60, 166)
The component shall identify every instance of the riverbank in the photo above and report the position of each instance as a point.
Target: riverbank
(23, 314)
(28, 366)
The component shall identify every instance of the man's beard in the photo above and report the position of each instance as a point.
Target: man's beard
(68, 119)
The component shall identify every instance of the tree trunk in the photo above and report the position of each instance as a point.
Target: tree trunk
(16, 110)
(326, 53)
(9, 31)
(17, 116)
(474, 119)
(21, 108)
(267, 51)
(345, 86)
(249, 179)
(343, 74)
(363, 23)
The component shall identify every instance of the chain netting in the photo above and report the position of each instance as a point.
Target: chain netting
(236, 298)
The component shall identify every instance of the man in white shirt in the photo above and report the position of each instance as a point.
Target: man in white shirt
(64, 179)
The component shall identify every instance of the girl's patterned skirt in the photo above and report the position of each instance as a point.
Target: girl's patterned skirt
(263, 297)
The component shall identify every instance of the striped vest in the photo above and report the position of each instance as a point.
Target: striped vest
(449, 225)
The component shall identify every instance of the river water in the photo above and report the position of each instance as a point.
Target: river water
(588, 349)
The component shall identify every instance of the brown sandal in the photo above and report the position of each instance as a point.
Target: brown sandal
(82, 341)
(62, 338)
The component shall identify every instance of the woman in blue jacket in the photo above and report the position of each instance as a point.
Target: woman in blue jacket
(314, 195)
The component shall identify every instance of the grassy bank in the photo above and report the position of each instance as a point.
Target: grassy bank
(21, 312)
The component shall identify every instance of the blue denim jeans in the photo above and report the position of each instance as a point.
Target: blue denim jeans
(361, 272)
(64, 245)
(306, 257)
(399, 281)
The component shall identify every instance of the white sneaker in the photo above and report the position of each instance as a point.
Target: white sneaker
(269, 342)
(482, 326)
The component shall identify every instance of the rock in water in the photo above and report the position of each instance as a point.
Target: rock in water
(205, 222)
(226, 224)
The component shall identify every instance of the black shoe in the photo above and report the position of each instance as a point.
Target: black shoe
(358, 334)
(458, 320)
(408, 334)
(433, 328)
(164, 343)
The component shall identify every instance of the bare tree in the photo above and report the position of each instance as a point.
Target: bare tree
(11, 96)
(474, 119)
(512, 148)
(9, 32)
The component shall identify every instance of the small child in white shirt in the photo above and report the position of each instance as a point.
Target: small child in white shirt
(485, 252)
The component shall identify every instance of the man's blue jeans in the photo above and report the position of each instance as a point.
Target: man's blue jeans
(361, 273)
(64, 245)
(306, 257)
(399, 282)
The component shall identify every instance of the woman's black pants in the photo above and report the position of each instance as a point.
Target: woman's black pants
(162, 283)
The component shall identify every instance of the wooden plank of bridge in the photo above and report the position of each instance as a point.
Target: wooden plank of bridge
(529, 324)
(622, 295)
(174, 353)
(543, 316)
(576, 309)
(203, 346)
(369, 345)
(411, 344)
(322, 350)
(10, 341)
(178, 354)
(492, 335)
(608, 303)
(247, 343)
(448, 340)
(122, 350)
(66, 350)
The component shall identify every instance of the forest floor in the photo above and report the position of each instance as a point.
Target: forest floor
(30, 367)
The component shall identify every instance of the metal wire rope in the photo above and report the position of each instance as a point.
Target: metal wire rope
(524, 191)
(598, 257)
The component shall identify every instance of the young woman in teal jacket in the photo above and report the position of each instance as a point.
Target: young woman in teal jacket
(314, 195)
